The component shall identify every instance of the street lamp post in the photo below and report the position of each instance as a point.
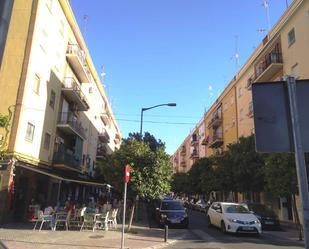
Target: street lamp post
(148, 108)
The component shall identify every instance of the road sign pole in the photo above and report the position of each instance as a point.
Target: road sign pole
(299, 157)
(124, 214)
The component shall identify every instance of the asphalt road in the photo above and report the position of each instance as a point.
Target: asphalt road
(200, 236)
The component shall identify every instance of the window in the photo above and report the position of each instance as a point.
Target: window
(36, 84)
(52, 99)
(47, 141)
(291, 37)
(239, 91)
(294, 71)
(30, 132)
(241, 114)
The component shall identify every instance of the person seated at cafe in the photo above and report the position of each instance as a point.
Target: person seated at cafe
(69, 206)
(49, 210)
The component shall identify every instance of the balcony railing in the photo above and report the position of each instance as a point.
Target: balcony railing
(215, 121)
(194, 154)
(216, 141)
(72, 91)
(103, 136)
(77, 59)
(67, 158)
(101, 150)
(68, 123)
(267, 68)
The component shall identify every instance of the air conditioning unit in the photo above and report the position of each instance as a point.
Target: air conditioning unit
(59, 140)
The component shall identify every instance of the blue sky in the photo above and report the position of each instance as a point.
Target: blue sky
(160, 51)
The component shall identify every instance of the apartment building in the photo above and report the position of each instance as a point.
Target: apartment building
(61, 122)
(284, 51)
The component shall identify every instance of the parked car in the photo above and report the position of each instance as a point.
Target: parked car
(172, 213)
(267, 216)
(201, 206)
(233, 217)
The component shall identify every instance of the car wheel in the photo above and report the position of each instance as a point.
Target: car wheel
(209, 221)
(223, 228)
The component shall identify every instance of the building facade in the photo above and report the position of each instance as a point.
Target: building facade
(61, 122)
(284, 51)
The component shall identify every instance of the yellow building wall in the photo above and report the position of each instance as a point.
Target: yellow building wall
(13, 57)
(229, 115)
(298, 52)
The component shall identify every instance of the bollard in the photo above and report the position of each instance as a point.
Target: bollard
(165, 233)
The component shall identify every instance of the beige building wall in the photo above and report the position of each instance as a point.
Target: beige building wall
(229, 113)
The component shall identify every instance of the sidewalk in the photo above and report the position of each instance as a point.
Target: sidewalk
(139, 237)
(21, 236)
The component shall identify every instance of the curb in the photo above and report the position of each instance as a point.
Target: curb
(165, 244)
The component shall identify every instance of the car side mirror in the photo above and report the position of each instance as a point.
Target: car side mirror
(251, 212)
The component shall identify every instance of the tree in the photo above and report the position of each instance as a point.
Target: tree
(180, 182)
(4, 123)
(150, 170)
(248, 164)
(149, 139)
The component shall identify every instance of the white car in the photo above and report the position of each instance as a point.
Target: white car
(233, 217)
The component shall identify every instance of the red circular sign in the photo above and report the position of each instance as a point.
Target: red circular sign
(127, 170)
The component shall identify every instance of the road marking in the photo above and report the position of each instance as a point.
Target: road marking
(211, 241)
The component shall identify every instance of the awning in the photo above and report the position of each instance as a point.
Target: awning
(62, 176)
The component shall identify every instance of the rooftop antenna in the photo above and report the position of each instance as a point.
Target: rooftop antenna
(86, 19)
(235, 56)
(265, 4)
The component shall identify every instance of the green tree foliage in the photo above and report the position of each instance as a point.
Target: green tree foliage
(151, 169)
(280, 174)
(180, 183)
(149, 139)
(247, 166)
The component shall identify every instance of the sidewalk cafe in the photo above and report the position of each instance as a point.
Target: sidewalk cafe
(62, 199)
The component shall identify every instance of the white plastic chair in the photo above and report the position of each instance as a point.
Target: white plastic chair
(62, 217)
(101, 221)
(88, 221)
(112, 218)
(43, 218)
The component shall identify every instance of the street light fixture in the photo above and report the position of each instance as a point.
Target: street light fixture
(148, 108)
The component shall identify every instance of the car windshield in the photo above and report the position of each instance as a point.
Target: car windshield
(171, 205)
(239, 209)
(259, 208)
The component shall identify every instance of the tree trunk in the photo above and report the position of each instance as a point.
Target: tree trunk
(296, 215)
(131, 215)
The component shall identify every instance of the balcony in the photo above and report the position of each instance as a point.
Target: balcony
(216, 141)
(205, 141)
(105, 119)
(66, 157)
(216, 121)
(269, 67)
(250, 81)
(77, 60)
(69, 124)
(72, 91)
(194, 154)
(183, 164)
(194, 140)
(117, 139)
(103, 136)
(101, 151)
